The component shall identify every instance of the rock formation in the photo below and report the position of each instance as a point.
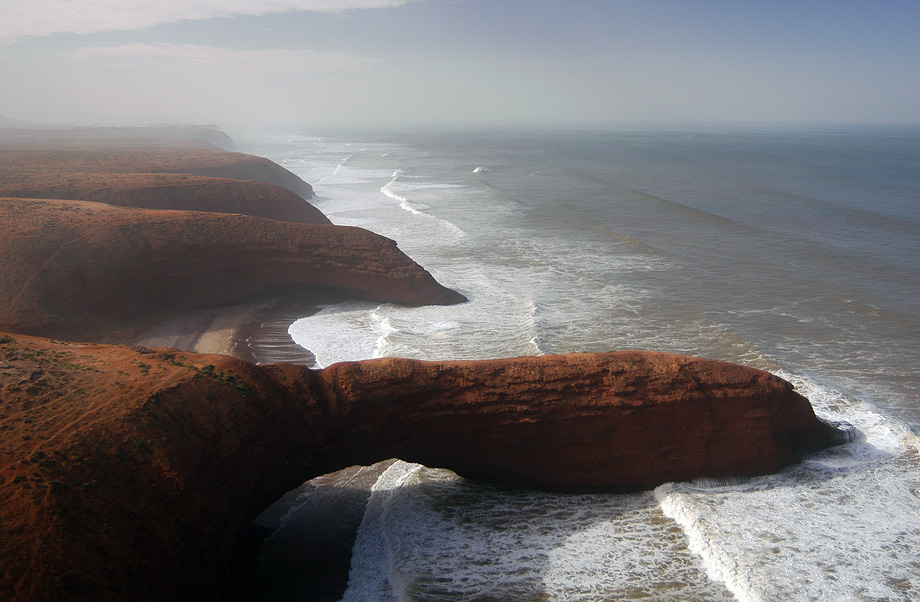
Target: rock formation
(121, 160)
(75, 269)
(187, 235)
(138, 482)
(166, 191)
(129, 473)
(621, 420)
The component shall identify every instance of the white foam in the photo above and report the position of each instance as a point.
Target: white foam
(388, 188)
(374, 574)
(359, 330)
(429, 535)
(346, 332)
(822, 530)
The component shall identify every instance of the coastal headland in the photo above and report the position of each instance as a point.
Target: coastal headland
(104, 240)
(139, 481)
(133, 473)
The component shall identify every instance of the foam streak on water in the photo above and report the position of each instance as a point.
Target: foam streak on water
(841, 526)
(394, 186)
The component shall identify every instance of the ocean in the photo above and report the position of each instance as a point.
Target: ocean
(797, 252)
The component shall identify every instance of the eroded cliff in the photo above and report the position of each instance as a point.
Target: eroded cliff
(626, 419)
(137, 483)
(129, 473)
(121, 159)
(75, 269)
(166, 191)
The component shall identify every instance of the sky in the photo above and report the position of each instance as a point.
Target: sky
(402, 63)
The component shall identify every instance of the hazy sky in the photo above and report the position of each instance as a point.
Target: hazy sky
(460, 62)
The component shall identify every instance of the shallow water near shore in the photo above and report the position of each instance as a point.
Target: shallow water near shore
(793, 252)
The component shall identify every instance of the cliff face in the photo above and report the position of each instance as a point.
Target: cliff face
(115, 491)
(623, 420)
(136, 484)
(192, 161)
(166, 191)
(131, 473)
(74, 269)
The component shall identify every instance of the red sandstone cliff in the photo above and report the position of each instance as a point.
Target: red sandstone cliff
(135, 483)
(623, 420)
(129, 474)
(166, 191)
(74, 269)
(124, 159)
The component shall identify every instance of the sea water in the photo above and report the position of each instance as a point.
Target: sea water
(791, 251)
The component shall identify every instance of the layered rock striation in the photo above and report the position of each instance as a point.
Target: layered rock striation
(105, 232)
(75, 269)
(139, 481)
(620, 420)
(166, 191)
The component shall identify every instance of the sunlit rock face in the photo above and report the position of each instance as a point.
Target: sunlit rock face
(627, 419)
(139, 481)
(166, 191)
(74, 269)
(129, 157)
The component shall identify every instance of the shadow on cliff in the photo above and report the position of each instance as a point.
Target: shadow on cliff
(309, 558)
(301, 547)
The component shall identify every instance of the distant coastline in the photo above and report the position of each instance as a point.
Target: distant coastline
(135, 470)
(163, 227)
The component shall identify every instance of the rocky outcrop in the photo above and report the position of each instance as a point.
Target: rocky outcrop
(166, 191)
(74, 269)
(619, 420)
(138, 482)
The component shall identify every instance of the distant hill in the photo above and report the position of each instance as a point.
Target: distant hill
(7, 123)
(60, 135)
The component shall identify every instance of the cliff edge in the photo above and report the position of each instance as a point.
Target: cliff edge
(129, 473)
(181, 192)
(139, 482)
(89, 271)
(106, 231)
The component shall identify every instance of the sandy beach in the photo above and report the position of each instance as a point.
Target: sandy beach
(255, 332)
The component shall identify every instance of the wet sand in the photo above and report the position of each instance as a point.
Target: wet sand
(263, 337)
(255, 332)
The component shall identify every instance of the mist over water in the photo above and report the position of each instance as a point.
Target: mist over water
(795, 253)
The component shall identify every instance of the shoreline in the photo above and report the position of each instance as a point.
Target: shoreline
(254, 332)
